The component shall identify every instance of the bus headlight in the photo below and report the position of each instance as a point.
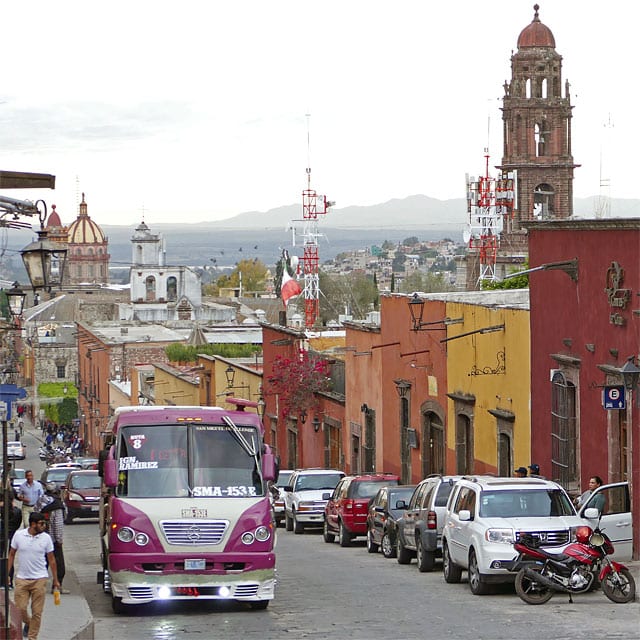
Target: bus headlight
(262, 534)
(247, 537)
(141, 539)
(164, 592)
(125, 534)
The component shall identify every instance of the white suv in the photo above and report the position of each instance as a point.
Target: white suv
(303, 497)
(484, 517)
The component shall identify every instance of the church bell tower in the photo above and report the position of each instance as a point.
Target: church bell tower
(537, 133)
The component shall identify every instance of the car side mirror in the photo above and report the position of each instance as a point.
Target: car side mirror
(591, 514)
(326, 496)
(401, 504)
(288, 489)
(379, 509)
(464, 514)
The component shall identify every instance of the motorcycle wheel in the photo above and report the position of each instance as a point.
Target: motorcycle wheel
(619, 587)
(531, 591)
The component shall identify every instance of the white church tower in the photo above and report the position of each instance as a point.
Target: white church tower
(160, 292)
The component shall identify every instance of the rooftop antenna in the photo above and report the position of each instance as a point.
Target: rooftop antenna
(602, 205)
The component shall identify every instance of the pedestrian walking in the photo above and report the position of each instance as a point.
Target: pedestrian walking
(28, 493)
(33, 548)
(50, 504)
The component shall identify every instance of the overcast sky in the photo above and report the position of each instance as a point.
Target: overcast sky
(197, 110)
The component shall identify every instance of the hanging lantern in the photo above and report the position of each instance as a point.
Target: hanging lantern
(44, 261)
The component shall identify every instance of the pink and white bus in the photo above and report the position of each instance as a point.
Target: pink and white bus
(185, 511)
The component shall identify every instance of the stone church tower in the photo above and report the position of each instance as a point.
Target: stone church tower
(536, 116)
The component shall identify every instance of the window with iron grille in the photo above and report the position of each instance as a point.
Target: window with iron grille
(563, 431)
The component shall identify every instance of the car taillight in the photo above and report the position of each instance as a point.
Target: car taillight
(348, 504)
(432, 520)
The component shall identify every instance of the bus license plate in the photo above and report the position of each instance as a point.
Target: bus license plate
(194, 565)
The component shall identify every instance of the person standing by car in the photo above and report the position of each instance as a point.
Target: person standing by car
(50, 504)
(33, 547)
(598, 501)
(28, 493)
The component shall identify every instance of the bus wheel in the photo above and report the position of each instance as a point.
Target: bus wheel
(259, 605)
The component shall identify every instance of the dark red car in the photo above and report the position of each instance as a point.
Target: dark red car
(346, 512)
(81, 495)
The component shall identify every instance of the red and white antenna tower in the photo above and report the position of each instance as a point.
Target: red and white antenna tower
(489, 203)
(313, 205)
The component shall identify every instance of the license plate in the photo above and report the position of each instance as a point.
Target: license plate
(96, 508)
(194, 565)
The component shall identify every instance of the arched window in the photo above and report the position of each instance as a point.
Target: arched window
(172, 289)
(543, 196)
(150, 289)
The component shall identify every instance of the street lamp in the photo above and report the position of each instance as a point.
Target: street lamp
(630, 373)
(16, 297)
(316, 424)
(402, 387)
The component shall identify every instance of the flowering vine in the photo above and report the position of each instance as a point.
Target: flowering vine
(297, 380)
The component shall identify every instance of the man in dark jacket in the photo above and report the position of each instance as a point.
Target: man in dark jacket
(15, 520)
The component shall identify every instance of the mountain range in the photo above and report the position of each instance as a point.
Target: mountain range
(263, 234)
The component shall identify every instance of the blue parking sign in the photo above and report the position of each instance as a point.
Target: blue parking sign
(613, 397)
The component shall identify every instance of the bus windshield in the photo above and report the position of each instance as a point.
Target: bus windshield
(198, 460)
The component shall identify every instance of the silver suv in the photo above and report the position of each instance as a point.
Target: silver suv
(303, 497)
(420, 527)
(485, 515)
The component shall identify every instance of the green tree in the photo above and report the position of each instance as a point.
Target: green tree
(425, 282)
(411, 241)
(254, 276)
(355, 292)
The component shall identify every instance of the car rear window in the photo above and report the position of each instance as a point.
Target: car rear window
(443, 493)
(368, 488)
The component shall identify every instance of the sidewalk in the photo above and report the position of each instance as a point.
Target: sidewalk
(72, 618)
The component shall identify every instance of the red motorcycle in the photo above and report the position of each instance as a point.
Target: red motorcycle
(582, 565)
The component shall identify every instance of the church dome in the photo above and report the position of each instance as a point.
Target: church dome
(536, 34)
(83, 230)
(54, 218)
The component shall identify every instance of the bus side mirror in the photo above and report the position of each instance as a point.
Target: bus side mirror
(110, 472)
(269, 467)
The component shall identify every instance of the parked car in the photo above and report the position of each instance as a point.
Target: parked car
(17, 477)
(420, 527)
(385, 509)
(81, 495)
(303, 497)
(57, 474)
(16, 450)
(278, 495)
(485, 515)
(345, 514)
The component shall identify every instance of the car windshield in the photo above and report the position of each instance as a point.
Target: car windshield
(525, 503)
(369, 488)
(18, 474)
(88, 481)
(317, 481)
(57, 475)
(14, 444)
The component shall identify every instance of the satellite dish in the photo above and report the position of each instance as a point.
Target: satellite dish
(466, 234)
